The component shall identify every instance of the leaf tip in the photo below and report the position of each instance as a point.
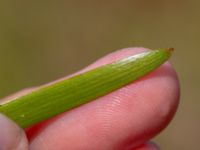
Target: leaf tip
(169, 51)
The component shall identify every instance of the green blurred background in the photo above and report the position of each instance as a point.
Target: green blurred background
(41, 41)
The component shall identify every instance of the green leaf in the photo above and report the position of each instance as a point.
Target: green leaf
(59, 97)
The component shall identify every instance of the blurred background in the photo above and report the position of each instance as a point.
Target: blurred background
(41, 41)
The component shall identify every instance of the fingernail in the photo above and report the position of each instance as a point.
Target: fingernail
(12, 137)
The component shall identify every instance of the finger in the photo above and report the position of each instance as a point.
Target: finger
(130, 115)
(11, 136)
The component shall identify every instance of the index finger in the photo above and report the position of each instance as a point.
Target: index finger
(132, 114)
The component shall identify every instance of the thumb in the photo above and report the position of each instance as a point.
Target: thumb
(12, 137)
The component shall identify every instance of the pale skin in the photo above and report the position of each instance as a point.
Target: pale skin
(125, 119)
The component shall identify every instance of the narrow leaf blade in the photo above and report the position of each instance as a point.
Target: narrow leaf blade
(59, 97)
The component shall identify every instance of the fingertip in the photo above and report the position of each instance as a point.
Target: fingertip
(161, 86)
(11, 136)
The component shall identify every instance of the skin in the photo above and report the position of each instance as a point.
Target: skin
(125, 119)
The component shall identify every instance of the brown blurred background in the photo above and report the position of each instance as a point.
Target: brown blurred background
(41, 41)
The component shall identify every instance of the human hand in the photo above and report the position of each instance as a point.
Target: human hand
(125, 119)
